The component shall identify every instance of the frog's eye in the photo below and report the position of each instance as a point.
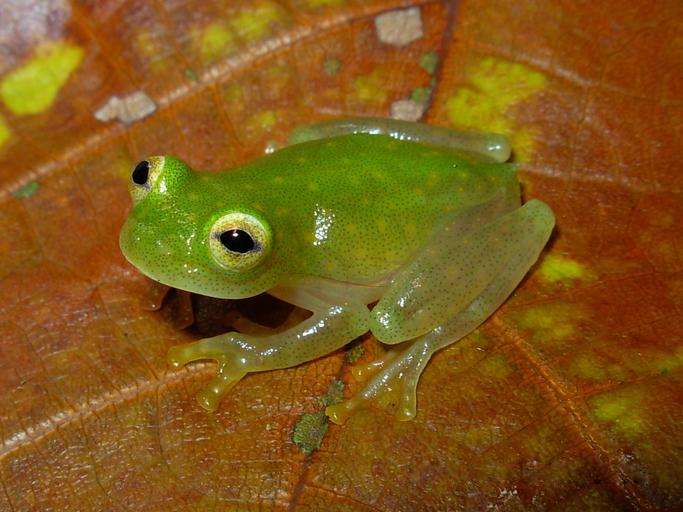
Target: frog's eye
(141, 173)
(239, 241)
(144, 175)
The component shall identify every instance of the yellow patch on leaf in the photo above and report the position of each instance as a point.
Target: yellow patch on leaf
(557, 268)
(369, 88)
(33, 87)
(4, 132)
(622, 409)
(215, 41)
(496, 86)
(255, 23)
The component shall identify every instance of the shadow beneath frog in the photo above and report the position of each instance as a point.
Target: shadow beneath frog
(204, 317)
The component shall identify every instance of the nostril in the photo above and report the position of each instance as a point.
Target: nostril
(141, 173)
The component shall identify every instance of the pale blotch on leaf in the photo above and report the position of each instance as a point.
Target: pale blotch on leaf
(400, 27)
(496, 86)
(477, 437)
(407, 110)
(128, 109)
(588, 367)
(551, 323)
(496, 366)
(669, 363)
(33, 87)
(557, 268)
(622, 410)
(262, 121)
(150, 45)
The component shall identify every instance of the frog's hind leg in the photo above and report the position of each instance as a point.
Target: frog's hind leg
(518, 238)
(489, 146)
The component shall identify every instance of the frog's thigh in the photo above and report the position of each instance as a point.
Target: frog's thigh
(490, 146)
(397, 380)
(460, 261)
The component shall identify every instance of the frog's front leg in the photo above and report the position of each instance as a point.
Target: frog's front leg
(446, 293)
(489, 146)
(335, 322)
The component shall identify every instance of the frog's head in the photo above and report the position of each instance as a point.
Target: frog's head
(183, 232)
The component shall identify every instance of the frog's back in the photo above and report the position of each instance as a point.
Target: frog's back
(356, 207)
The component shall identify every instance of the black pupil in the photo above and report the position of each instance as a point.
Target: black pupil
(236, 240)
(141, 173)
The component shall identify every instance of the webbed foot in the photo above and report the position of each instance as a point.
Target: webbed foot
(394, 384)
(232, 366)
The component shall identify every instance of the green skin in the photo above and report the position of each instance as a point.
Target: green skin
(424, 220)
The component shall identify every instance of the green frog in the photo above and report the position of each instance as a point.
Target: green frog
(421, 221)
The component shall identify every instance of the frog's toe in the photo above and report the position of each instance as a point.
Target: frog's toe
(406, 398)
(210, 396)
(398, 395)
(339, 413)
(394, 386)
(396, 389)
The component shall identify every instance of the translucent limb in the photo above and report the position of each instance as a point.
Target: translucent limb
(396, 381)
(331, 327)
(490, 146)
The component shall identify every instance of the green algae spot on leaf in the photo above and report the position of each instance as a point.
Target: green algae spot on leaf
(332, 66)
(429, 61)
(354, 353)
(27, 190)
(335, 393)
(310, 429)
(421, 95)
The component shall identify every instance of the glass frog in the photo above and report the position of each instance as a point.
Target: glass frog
(423, 222)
